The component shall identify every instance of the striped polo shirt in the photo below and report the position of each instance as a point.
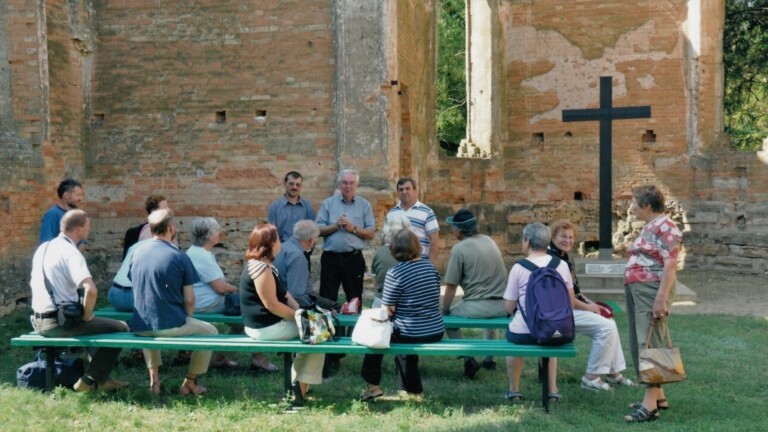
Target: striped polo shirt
(423, 223)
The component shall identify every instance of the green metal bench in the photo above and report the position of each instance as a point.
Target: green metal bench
(240, 343)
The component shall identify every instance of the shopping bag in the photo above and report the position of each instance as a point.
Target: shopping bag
(660, 365)
(373, 328)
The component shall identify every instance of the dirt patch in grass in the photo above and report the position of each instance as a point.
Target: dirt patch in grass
(721, 292)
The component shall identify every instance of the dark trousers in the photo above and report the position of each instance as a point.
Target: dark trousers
(407, 366)
(345, 269)
(102, 359)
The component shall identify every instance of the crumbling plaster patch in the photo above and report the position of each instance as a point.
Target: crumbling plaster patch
(572, 75)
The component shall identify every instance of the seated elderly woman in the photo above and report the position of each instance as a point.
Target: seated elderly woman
(536, 238)
(212, 288)
(268, 308)
(606, 356)
(412, 297)
(383, 259)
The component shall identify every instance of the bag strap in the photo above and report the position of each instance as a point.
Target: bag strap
(48, 285)
(659, 324)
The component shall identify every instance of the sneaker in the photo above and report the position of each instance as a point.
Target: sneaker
(471, 367)
(619, 380)
(595, 385)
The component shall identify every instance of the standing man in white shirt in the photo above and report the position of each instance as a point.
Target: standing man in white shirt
(423, 221)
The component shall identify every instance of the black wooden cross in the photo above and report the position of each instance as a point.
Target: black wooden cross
(606, 114)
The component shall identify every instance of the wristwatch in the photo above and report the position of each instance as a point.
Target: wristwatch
(354, 231)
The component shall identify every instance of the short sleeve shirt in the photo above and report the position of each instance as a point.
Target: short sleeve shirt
(518, 283)
(65, 268)
(208, 271)
(476, 264)
(50, 226)
(159, 272)
(423, 223)
(658, 242)
(359, 212)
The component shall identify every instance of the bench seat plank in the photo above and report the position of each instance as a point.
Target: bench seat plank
(345, 320)
(240, 343)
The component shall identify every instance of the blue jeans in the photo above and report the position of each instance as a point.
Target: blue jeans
(121, 299)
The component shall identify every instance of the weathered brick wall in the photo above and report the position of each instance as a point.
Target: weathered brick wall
(41, 90)
(211, 102)
(553, 55)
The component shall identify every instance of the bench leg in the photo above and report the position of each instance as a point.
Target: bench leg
(50, 368)
(544, 375)
(287, 361)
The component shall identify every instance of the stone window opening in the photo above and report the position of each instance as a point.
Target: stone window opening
(481, 57)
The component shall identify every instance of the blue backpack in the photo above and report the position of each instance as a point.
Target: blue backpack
(550, 315)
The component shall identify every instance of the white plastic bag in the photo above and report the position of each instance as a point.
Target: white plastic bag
(373, 328)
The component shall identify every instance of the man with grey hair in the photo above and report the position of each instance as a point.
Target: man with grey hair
(477, 266)
(292, 267)
(346, 221)
(58, 271)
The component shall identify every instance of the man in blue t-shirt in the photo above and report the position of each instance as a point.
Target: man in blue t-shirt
(163, 280)
(70, 193)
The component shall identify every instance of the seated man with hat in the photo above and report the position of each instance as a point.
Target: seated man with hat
(475, 264)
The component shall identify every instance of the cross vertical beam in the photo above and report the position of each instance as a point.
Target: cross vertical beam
(605, 115)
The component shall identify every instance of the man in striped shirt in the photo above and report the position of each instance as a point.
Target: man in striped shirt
(423, 220)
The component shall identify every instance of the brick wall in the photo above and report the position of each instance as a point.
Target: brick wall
(211, 102)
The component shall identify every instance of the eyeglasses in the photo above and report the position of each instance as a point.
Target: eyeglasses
(348, 183)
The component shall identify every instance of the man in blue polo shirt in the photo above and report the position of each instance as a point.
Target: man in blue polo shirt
(290, 208)
(346, 221)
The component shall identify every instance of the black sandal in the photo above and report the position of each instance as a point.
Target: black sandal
(659, 406)
(641, 414)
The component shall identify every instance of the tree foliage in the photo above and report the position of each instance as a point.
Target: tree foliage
(451, 86)
(745, 60)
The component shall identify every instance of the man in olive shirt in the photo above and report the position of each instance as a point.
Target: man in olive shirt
(475, 264)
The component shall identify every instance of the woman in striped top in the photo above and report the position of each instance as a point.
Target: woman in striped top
(412, 297)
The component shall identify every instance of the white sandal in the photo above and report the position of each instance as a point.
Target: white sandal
(619, 380)
(595, 385)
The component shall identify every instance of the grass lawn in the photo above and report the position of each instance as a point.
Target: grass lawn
(723, 356)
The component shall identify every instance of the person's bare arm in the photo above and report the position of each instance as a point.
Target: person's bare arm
(265, 287)
(90, 292)
(189, 299)
(510, 306)
(222, 287)
(450, 293)
(668, 278)
(434, 246)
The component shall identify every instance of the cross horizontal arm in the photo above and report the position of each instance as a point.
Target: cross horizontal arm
(592, 114)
